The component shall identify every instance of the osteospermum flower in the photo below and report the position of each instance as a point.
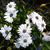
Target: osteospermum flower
(36, 17)
(46, 36)
(24, 41)
(41, 25)
(8, 19)
(11, 14)
(11, 7)
(24, 29)
(5, 31)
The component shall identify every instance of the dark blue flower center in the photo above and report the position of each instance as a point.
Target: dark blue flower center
(36, 17)
(25, 40)
(24, 31)
(11, 15)
(10, 6)
(42, 25)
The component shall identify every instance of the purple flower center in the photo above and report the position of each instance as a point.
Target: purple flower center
(37, 17)
(25, 40)
(10, 6)
(11, 15)
(24, 31)
(42, 25)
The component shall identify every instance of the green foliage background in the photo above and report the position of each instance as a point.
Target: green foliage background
(25, 7)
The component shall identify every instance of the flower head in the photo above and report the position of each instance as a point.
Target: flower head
(6, 32)
(41, 25)
(11, 7)
(24, 41)
(24, 29)
(35, 17)
(11, 14)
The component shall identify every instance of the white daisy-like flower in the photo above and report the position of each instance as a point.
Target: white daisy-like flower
(41, 25)
(46, 36)
(11, 14)
(11, 7)
(8, 19)
(4, 30)
(25, 41)
(8, 36)
(24, 29)
(36, 17)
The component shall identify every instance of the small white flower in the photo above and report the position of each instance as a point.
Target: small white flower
(41, 25)
(36, 17)
(8, 19)
(24, 29)
(11, 4)
(25, 41)
(8, 36)
(46, 36)
(4, 30)
(11, 7)
(11, 14)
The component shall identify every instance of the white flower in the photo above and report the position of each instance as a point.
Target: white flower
(41, 25)
(46, 36)
(36, 17)
(24, 29)
(11, 14)
(11, 4)
(25, 41)
(4, 31)
(8, 19)
(11, 7)
(8, 36)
